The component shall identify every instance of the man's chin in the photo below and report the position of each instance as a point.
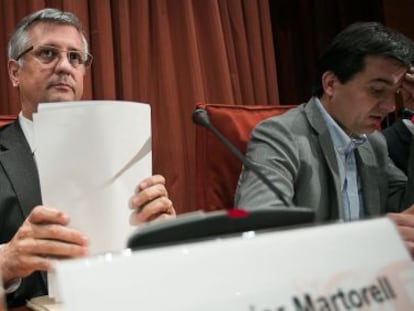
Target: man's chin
(59, 98)
(370, 129)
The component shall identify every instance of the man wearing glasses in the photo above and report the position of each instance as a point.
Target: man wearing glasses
(48, 57)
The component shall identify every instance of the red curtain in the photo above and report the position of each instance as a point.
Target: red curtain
(171, 54)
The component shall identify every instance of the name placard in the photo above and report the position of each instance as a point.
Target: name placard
(339, 267)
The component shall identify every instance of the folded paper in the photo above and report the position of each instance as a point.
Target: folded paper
(91, 156)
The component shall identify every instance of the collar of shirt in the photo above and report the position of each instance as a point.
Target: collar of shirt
(409, 124)
(28, 131)
(343, 143)
(348, 172)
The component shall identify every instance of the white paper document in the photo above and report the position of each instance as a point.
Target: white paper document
(91, 156)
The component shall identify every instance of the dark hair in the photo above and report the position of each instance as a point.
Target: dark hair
(346, 55)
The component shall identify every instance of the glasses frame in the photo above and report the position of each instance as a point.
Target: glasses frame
(87, 63)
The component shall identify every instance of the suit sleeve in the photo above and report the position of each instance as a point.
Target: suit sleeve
(273, 150)
(400, 144)
(398, 139)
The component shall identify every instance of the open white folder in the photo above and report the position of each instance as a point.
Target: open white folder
(91, 156)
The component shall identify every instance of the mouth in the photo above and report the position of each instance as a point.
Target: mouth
(376, 120)
(62, 86)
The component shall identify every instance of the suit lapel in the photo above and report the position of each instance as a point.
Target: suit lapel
(18, 163)
(315, 119)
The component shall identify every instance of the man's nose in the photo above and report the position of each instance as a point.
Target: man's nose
(63, 62)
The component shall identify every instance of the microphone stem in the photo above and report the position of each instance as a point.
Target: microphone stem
(249, 164)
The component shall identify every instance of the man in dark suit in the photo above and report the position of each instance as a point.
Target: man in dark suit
(48, 57)
(326, 154)
(399, 138)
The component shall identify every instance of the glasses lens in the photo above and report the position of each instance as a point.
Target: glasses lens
(75, 58)
(48, 55)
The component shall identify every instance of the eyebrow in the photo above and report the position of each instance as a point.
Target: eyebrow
(61, 48)
(387, 82)
(382, 80)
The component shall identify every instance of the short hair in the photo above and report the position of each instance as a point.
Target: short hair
(346, 55)
(20, 41)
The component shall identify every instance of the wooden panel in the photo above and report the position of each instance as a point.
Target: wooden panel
(398, 15)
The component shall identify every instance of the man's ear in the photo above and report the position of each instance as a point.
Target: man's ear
(329, 82)
(14, 72)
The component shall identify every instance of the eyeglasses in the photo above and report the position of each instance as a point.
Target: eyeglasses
(47, 54)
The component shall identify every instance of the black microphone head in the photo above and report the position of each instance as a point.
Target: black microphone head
(200, 117)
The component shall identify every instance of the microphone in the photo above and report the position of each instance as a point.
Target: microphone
(200, 117)
(199, 226)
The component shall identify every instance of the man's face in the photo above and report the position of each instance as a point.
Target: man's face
(360, 104)
(56, 81)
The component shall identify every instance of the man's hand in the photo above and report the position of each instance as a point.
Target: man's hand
(405, 225)
(407, 89)
(150, 201)
(42, 236)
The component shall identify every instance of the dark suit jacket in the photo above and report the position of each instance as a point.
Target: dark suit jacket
(399, 139)
(295, 151)
(19, 193)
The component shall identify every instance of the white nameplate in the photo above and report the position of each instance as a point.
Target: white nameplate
(354, 266)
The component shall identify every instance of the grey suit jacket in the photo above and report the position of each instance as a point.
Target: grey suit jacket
(296, 153)
(19, 193)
